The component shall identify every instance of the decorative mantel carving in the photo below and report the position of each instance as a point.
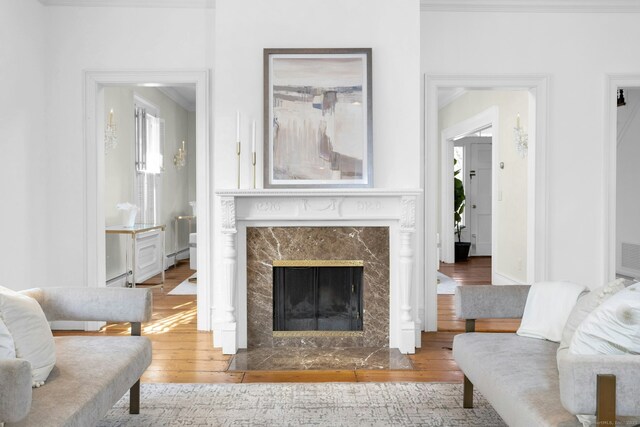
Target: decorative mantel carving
(316, 208)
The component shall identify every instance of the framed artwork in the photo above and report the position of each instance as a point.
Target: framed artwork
(317, 118)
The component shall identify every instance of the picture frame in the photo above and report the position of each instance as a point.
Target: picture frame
(318, 118)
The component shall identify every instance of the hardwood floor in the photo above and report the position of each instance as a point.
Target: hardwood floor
(474, 271)
(181, 354)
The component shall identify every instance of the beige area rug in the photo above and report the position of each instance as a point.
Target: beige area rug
(317, 404)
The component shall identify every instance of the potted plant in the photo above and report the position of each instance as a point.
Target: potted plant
(461, 248)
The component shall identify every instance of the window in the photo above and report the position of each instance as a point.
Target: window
(149, 142)
(149, 145)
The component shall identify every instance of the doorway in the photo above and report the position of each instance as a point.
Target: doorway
(530, 262)
(473, 155)
(96, 121)
(627, 235)
(150, 184)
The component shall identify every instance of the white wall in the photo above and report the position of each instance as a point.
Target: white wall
(120, 170)
(23, 252)
(576, 51)
(92, 38)
(191, 156)
(628, 177)
(510, 247)
(390, 27)
(245, 27)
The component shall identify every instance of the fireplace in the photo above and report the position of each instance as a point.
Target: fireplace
(304, 255)
(317, 295)
(260, 226)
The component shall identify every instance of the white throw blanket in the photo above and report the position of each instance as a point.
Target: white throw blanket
(547, 309)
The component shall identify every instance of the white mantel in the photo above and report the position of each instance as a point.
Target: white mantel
(240, 209)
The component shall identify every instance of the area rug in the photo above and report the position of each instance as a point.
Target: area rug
(185, 288)
(446, 285)
(325, 404)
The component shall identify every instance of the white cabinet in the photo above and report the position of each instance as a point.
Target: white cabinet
(149, 255)
(145, 256)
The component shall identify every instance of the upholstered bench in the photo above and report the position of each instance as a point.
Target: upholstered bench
(92, 372)
(523, 378)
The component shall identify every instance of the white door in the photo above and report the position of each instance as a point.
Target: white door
(479, 198)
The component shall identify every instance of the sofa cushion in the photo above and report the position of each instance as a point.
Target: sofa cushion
(517, 375)
(7, 347)
(31, 334)
(90, 376)
(547, 309)
(585, 305)
(613, 327)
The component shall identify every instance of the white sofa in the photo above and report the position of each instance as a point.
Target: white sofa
(92, 372)
(524, 379)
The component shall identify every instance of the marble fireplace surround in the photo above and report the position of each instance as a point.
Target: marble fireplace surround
(369, 244)
(242, 209)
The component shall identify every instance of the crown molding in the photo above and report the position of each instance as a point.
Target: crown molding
(528, 6)
(450, 97)
(182, 4)
(178, 98)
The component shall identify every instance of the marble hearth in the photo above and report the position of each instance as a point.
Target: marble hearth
(369, 244)
(302, 358)
(260, 226)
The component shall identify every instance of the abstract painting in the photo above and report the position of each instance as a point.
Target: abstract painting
(317, 118)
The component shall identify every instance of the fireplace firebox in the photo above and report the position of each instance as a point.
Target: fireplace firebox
(317, 295)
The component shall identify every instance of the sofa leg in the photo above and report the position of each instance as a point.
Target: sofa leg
(606, 400)
(470, 325)
(467, 393)
(134, 398)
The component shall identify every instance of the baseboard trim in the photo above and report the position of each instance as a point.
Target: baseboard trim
(504, 280)
(118, 281)
(170, 258)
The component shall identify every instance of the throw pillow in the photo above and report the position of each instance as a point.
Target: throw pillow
(613, 327)
(7, 347)
(585, 305)
(31, 333)
(547, 309)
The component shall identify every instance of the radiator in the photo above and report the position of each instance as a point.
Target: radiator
(630, 258)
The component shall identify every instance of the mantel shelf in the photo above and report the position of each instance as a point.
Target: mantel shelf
(317, 192)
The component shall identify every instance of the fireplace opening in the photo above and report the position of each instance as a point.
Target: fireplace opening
(317, 295)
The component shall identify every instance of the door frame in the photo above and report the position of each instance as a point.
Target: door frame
(489, 117)
(537, 183)
(94, 168)
(610, 169)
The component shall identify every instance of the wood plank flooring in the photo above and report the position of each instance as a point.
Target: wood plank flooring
(474, 271)
(181, 354)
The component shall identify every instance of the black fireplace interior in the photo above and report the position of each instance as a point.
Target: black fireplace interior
(317, 298)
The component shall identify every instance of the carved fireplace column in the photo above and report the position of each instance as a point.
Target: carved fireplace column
(226, 322)
(407, 231)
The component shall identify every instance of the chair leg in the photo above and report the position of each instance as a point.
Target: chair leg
(134, 398)
(606, 400)
(467, 393)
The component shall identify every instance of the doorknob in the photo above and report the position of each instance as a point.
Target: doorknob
(473, 206)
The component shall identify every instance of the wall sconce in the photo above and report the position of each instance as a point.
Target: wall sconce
(520, 138)
(110, 134)
(621, 101)
(180, 158)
